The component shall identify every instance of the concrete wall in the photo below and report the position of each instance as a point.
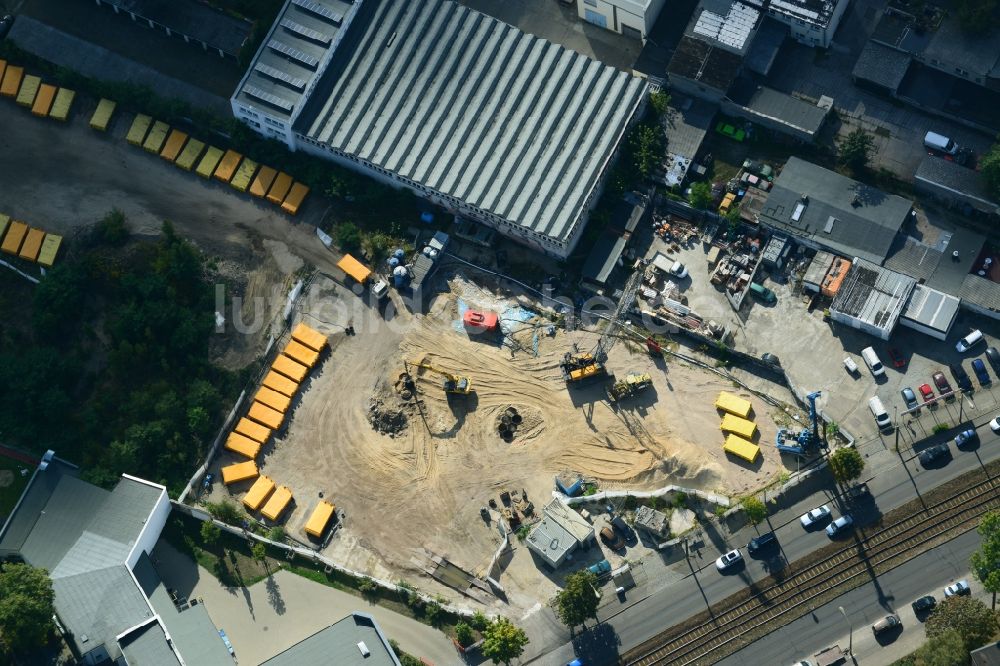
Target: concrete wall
(859, 325)
(150, 533)
(696, 89)
(732, 109)
(618, 15)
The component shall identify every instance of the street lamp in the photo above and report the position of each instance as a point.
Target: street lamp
(850, 627)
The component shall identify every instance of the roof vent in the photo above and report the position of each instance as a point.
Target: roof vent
(829, 224)
(364, 649)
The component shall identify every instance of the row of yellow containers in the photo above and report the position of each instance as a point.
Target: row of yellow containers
(741, 429)
(229, 166)
(273, 500)
(28, 90)
(30, 244)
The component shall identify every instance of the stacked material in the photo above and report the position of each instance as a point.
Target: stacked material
(742, 448)
(137, 132)
(19, 240)
(190, 154)
(742, 427)
(227, 166)
(736, 406)
(157, 137)
(208, 163)
(241, 181)
(43, 100)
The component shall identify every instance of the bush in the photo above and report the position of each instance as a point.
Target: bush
(276, 534)
(631, 502)
(112, 229)
(433, 613)
(680, 500)
(478, 621)
(210, 532)
(701, 196)
(522, 532)
(226, 511)
(348, 237)
(940, 427)
(368, 587)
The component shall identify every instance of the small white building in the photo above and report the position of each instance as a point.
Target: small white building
(560, 532)
(632, 18)
(811, 22)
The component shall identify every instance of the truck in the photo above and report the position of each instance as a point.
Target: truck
(633, 384)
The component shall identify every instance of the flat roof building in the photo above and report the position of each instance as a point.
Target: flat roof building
(955, 185)
(632, 18)
(494, 124)
(356, 640)
(561, 531)
(812, 22)
(652, 521)
(871, 298)
(930, 311)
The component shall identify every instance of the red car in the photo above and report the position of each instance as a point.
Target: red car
(926, 392)
(897, 358)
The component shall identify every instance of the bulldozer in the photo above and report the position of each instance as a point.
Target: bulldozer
(633, 384)
(455, 384)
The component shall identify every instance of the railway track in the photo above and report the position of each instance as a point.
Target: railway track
(783, 599)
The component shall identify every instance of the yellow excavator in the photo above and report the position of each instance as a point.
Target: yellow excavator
(451, 384)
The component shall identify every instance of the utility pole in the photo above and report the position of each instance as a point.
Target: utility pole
(850, 628)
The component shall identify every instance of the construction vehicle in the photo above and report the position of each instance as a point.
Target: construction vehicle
(455, 384)
(807, 439)
(581, 367)
(633, 384)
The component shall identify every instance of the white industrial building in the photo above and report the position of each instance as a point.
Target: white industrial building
(811, 22)
(494, 124)
(632, 18)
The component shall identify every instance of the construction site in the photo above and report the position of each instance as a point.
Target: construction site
(435, 434)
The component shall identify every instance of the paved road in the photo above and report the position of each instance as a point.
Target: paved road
(891, 593)
(703, 585)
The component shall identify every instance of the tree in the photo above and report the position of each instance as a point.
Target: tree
(755, 509)
(701, 196)
(258, 551)
(945, 649)
(26, 607)
(846, 464)
(975, 16)
(970, 617)
(210, 532)
(579, 599)
(276, 533)
(464, 634)
(348, 236)
(478, 621)
(989, 166)
(856, 149)
(503, 641)
(647, 148)
(659, 100)
(225, 511)
(986, 561)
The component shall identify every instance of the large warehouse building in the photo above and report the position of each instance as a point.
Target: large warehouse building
(481, 118)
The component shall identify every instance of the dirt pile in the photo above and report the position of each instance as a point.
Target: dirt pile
(385, 419)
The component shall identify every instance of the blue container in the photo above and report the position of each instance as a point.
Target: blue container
(393, 262)
(399, 254)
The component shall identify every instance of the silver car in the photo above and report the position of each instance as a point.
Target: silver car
(815, 516)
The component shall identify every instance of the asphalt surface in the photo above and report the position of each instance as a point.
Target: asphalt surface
(642, 617)
(895, 590)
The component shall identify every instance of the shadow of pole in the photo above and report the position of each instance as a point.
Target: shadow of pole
(913, 481)
(694, 575)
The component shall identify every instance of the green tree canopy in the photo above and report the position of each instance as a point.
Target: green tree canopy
(970, 617)
(989, 167)
(945, 649)
(976, 16)
(856, 149)
(846, 464)
(26, 607)
(210, 532)
(464, 634)
(647, 148)
(578, 600)
(701, 196)
(755, 509)
(986, 561)
(659, 101)
(503, 641)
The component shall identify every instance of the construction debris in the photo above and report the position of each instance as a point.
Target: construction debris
(386, 420)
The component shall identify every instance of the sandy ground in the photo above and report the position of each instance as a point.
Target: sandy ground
(419, 492)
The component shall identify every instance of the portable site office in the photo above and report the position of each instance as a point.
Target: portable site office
(266, 416)
(320, 518)
(358, 271)
(278, 382)
(261, 184)
(190, 154)
(309, 336)
(299, 352)
(50, 248)
(728, 402)
(62, 104)
(14, 238)
(29, 89)
(742, 427)
(102, 115)
(208, 163)
(289, 368)
(279, 402)
(259, 491)
(276, 506)
(227, 166)
(43, 100)
(11, 81)
(279, 188)
(741, 448)
(241, 181)
(157, 136)
(32, 244)
(293, 201)
(172, 148)
(253, 430)
(239, 472)
(137, 132)
(244, 446)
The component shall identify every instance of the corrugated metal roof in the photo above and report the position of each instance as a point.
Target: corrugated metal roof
(473, 108)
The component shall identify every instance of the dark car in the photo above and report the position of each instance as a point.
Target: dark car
(933, 454)
(897, 358)
(943, 387)
(982, 375)
(966, 437)
(762, 542)
(924, 604)
(993, 356)
(961, 377)
(909, 398)
(611, 539)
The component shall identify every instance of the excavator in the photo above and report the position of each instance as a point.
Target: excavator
(452, 383)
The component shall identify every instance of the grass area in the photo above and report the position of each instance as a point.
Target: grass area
(9, 494)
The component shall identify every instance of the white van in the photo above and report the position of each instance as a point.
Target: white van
(941, 143)
(874, 364)
(882, 419)
(969, 341)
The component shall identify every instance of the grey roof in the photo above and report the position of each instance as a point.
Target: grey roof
(551, 541)
(338, 644)
(818, 268)
(96, 606)
(881, 65)
(603, 257)
(760, 57)
(786, 110)
(954, 47)
(147, 646)
(461, 103)
(930, 259)
(686, 122)
(197, 20)
(19, 524)
(962, 183)
(932, 308)
(818, 12)
(981, 292)
(862, 220)
(292, 56)
(727, 24)
(651, 520)
(709, 65)
(62, 522)
(570, 520)
(873, 294)
(988, 655)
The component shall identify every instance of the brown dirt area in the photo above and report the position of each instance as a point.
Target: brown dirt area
(420, 489)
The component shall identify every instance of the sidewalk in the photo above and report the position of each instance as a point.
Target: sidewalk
(271, 616)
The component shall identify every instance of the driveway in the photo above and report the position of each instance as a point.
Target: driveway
(276, 613)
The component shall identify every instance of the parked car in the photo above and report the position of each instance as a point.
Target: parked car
(840, 525)
(762, 542)
(770, 359)
(968, 342)
(909, 398)
(926, 392)
(897, 358)
(611, 539)
(933, 454)
(815, 516)
(993, 356)
(961, 377)
(982, 375)
(957, 589)
(966, 437)
(727, 560)
(762, 293)
(943, 387)
(599, 568)
(924, 604)
(887, 623)
(995, 425)
(678, 270)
